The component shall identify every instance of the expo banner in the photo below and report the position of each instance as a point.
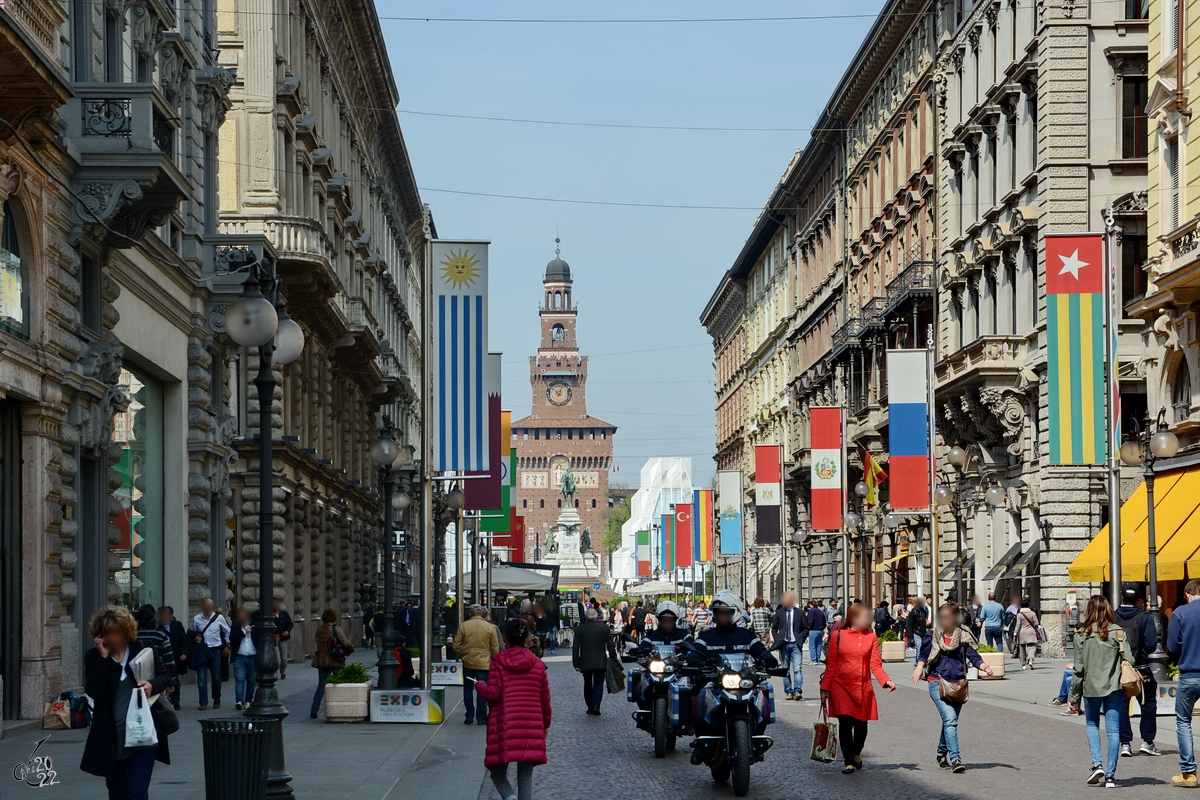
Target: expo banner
(407, 705)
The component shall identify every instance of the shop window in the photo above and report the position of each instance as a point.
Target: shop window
(139, 432)
(14, 279)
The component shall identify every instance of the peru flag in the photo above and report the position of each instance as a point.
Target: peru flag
(828, 479)
(683, 535)
(768, 492)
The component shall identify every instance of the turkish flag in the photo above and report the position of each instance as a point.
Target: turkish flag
(1075, 264)
(683, 535)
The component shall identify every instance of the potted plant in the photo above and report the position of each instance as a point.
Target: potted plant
(890, 647)
(993, 659)
(348, 694)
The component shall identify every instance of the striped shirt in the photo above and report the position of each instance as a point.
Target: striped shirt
(760, 619)
(703, 618)
(157, 638)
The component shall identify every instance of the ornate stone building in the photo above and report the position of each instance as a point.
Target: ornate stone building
(559, 435)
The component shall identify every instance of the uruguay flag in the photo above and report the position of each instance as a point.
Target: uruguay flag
(460, 344)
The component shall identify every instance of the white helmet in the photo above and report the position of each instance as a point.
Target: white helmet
(728, 599)
(667, 607)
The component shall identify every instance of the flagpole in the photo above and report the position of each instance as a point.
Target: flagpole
(933, 520)
(1113, 407)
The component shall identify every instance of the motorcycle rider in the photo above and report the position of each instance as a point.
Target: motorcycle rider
(668, 630)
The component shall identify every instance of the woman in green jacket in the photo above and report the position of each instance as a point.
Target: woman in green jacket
(1100, 647)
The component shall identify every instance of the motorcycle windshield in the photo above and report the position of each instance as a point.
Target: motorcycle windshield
(735, 661)
(665, 651)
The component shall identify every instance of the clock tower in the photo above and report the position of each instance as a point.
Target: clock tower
(558, 436)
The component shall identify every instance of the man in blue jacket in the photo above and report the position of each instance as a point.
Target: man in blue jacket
(1183, 645)
(1142, 636)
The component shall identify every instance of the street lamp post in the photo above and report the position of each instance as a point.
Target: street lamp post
(1145, 448)
(259, 320)
(388, 456)
(959, 496)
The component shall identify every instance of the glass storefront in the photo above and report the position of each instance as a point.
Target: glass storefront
(139, 432)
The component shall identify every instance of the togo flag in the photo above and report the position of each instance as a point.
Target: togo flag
(460, 344)
(1075, 345)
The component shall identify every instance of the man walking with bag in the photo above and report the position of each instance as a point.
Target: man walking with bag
(589, 654)
(1143, 639)
(210, 639)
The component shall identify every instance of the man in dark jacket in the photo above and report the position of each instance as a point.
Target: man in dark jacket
(1183, 645)
(639, 621)
(918, 625)
(590, 652)
(816, 631)
(1143, 639)
(179, 648)
(790, 627)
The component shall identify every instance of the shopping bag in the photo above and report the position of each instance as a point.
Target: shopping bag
(81, 709)
(56, 715)
(614, 677)
(139, 724)
(824, 741)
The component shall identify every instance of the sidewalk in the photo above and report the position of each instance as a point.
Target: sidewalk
(371, 762)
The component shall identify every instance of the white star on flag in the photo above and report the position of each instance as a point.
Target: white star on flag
(1072, 264)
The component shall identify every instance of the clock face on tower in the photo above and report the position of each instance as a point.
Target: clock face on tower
(558, 393)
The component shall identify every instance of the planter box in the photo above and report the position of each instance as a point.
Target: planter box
(891, 651)
(996, 662)
(347, 702)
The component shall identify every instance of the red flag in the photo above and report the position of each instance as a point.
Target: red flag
(683, 535)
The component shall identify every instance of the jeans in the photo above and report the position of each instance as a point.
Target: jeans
(210, 665)
(323, 674)
(1148, 724)
(1185, 699)
(469, 693)
(130, 777)
(593, 688)
(524, 781)
(853, 733)
(552, 640)
(243, 678)
(814, 645)
(283, 648)
(948, 742)
(789, 656)
(995, 638)
(1064, 688)
(1110, 706)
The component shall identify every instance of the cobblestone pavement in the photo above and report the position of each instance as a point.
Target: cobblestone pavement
(1010, 753)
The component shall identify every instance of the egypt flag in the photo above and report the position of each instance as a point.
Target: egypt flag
(460, 343)
(702, 523)
(828, 479)
(1075, 345)
(643, 554)
(683, 535)
(908, 428)
(768, 492)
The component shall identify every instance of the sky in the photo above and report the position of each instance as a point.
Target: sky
(643, 275)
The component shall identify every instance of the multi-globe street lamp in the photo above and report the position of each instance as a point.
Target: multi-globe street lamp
(389, 456)
(259, 319)
(1143, 448)
(959, 496)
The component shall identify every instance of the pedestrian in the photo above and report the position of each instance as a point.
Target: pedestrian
(179, 648)
(1142, 637)
(368, 615)
(149, 633)
(760, 620)
(852, 659)
(1099, 647)
(1010, 623)
(1183, 645)
(639, 620)
(918, 625)
(241, 644)
(406, 672)
(534, 642)
(992, 617)
(518, 693)
(975, 611)
(329, 655)
(816, 631)
(476, 644)
(210, 641)
(883, 618)
(110, 683)
(1063, 698)
(830, 612)
(283, 635)
(945, 652)
(590, 652)
(703, 617)
(1025, 633)
(789, 629)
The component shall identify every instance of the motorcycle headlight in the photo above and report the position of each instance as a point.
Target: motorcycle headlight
(731, 682)
(747, 683)
(658, 667)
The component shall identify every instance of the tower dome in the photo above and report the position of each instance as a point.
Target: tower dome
(558, 270)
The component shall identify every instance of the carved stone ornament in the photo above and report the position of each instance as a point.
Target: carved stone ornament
(1011, 409)
(102, 362)
(224, 432)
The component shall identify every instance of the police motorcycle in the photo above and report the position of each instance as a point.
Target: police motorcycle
(735, 702)
(662, 684)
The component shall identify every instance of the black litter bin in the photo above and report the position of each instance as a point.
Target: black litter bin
(237, 755)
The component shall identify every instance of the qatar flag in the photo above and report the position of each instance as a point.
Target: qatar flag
(683, 535)
(828, 479)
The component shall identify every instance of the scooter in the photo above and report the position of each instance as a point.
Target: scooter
(734, 707)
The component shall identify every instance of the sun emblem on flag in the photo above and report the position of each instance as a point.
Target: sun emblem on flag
(826, 469)
(458, 269)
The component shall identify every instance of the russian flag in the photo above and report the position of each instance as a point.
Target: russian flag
(908, 428)
(828, 481)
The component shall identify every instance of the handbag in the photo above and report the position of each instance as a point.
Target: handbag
(166, 721)
(199, 650)
(1132, 679)
(614, 676)
(957, 692)
(824, 741)
(337, 649)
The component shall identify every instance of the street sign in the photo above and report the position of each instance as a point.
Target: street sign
(595, 587)
(447, 673)
(407, 705)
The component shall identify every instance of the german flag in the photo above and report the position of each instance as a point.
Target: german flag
(1075, 347)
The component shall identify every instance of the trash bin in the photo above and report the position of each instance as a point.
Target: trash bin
(237, 755)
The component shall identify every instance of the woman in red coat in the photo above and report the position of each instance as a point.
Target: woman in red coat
(518, 697)
(852, 658)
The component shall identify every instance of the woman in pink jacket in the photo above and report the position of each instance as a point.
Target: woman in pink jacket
(518, 697)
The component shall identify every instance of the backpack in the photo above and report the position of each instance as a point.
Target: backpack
(1133, 632)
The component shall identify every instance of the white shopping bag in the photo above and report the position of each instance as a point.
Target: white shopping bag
(139, 724)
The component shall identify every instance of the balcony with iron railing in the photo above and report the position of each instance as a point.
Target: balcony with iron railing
(872, 314)
(916, 282)
(846, 337)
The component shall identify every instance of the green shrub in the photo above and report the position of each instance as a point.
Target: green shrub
(983, 648)
(889, 636)
(1173, 671)
(351, 673)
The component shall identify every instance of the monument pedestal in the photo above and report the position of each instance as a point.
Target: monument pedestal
(576, 570)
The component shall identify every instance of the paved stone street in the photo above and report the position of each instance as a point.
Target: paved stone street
(1014, 743)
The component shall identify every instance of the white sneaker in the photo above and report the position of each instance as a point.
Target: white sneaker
(1148, 749)
(1126, 750)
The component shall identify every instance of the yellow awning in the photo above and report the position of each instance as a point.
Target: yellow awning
(1177, 533)
(883, 565)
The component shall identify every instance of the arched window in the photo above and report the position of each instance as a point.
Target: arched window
(541, 503)
(14, 279)
(557, 333)
(1181, 392)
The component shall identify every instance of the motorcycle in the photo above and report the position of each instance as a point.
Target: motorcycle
(661, 688)
(735, 705)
